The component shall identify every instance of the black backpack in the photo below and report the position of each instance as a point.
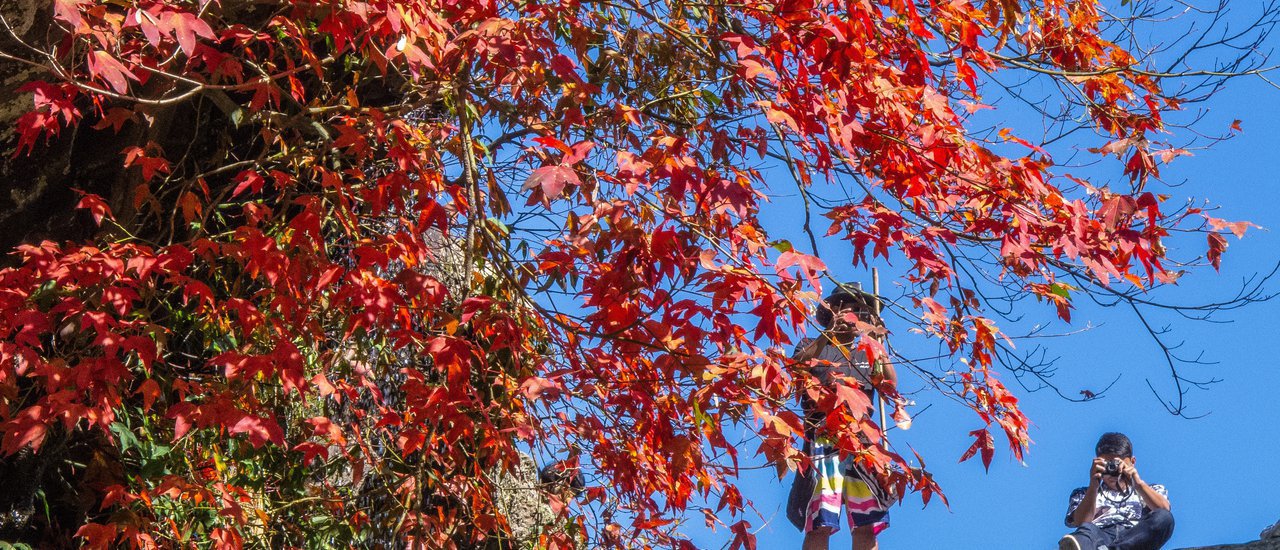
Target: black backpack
(802, 485)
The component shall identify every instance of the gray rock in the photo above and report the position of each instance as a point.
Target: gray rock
(1272, 532)
(1269, 540)
(1267, 544)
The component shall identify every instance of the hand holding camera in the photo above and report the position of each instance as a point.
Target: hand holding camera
(1096, 470)
(1113, 468)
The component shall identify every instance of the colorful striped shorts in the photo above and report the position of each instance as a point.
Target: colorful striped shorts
(843, 482)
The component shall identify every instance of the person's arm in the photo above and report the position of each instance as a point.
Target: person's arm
(1087, 508)
(1150, 497)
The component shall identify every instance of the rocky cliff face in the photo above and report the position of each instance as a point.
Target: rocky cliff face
(1270, 540)
(1265, 544)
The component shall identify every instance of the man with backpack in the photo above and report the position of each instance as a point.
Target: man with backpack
(819, 494)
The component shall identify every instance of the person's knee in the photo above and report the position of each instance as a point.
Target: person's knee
(1160, 520)
(821, 531)
(864, 538)
(817, 540)
(1086, 534)
(865, 531)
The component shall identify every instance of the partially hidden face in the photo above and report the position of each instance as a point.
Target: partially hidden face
(843, 315)
(1115, 460)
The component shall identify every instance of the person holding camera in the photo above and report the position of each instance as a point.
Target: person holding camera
(817, 497)
(1118, 510)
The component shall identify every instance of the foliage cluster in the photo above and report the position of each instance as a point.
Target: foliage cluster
(358, 254)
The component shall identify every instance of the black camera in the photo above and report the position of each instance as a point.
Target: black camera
(1112, 467)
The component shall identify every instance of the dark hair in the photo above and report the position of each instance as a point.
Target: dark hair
(1114, 443)
(562, 475)
(844, 295)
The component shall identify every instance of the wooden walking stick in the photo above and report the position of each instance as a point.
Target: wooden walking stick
(875, 290)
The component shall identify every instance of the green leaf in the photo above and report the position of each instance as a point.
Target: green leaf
(500, 227)
(127, 440)
(711, 98)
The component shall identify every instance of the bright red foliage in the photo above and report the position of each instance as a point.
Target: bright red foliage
(338, 294)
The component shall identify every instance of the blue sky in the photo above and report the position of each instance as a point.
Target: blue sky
(1221, 470)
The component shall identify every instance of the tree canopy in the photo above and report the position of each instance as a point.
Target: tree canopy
(311, 274)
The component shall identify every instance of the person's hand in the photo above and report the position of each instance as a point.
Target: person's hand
(1095, 471)
(1129, 470)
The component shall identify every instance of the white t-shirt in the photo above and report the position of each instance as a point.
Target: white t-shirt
(1120, 507)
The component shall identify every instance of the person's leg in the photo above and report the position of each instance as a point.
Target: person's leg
(868, 513)
(816, 540)
(821, 523)
(1086, 537)
(1149, 534)
(864, 538)
(823, 518)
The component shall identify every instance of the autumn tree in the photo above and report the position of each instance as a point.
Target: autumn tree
(313, 274)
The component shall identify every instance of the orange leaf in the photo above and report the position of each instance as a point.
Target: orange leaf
(191, 207)
(149, 390)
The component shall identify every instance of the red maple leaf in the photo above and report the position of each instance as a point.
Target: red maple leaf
(104, 66)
